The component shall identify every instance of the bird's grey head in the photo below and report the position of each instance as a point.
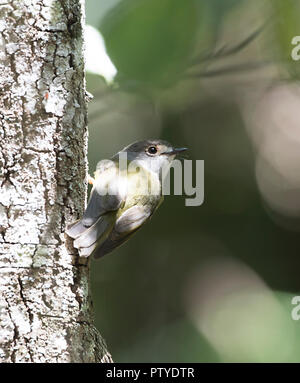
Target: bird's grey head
(153, 154)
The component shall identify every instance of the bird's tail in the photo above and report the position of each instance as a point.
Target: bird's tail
(75, 229)
(113, 240)
(88, 238)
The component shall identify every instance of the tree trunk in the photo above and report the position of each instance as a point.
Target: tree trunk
(45, 307)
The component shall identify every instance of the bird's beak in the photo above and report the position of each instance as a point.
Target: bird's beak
(176, 151)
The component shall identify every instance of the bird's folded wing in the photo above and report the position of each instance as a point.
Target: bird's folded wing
(108, 194)
(126, 225)
(132, 218)
(99, 230)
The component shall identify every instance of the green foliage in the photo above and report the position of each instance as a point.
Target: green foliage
(286, 26)
(151, 282)
(151, 41)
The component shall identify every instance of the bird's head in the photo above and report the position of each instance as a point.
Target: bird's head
(152, 154)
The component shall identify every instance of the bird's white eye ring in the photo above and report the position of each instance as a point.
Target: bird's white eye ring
(152, 150)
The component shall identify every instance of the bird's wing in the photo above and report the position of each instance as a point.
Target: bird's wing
(132, 219)
(107, 195)
(125, 226)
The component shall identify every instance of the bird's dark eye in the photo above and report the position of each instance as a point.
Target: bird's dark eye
(152, 150)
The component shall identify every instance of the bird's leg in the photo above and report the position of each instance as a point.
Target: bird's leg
(91, 180)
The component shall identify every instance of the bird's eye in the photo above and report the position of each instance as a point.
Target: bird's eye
(152, 150)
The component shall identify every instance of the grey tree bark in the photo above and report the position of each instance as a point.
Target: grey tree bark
(45, 306)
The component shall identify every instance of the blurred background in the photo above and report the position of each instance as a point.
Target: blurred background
(211, 283)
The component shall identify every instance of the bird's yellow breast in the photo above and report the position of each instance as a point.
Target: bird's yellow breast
(143, 188)
(138, 185)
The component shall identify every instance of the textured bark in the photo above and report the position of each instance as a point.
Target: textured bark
(45, 307)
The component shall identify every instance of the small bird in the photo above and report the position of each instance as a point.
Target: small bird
(126, 192)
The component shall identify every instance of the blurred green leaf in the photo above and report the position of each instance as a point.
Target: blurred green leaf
(220, 8)
(286, 26)
(150, 41)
